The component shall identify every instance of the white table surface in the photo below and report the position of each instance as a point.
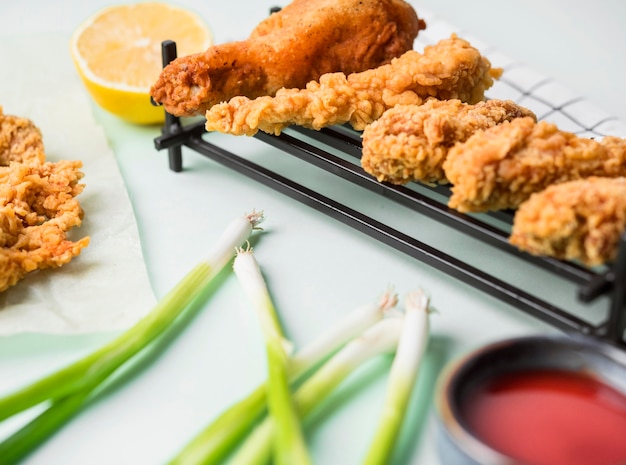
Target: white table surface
(317, 268)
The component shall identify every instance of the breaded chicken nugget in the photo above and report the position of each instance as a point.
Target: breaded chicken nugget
(410, 142)
(576, 220)
(500, 167)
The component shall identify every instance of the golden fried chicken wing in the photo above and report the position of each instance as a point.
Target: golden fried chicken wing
(298, 44)
(575, 220)
(20, 140)
(500, 167)
(450, 69)
(37, 209)
(410, 142)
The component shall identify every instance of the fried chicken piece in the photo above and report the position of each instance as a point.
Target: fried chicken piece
(37, 208)
(410, 142)
(298, 44)
(450, 69)
(44, 247)
(576, 220)
(20, 140)
(500, 167)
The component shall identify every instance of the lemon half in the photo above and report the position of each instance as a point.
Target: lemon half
(117, 53)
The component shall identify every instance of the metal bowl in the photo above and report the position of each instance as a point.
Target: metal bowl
(456, 443)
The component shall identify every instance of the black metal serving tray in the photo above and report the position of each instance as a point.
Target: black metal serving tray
(313, 147)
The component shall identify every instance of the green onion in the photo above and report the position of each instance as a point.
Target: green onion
(290, 446)
(346, 329)
(86, 374)
(380, 338)
(402, 378)
(218, 439)
(22, 442)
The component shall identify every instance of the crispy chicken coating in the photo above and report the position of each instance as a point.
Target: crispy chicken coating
(37, 208)
(576, 220)
(20, 140)
(450, 69)
(296, 45)
(410, 142)
(500, 167)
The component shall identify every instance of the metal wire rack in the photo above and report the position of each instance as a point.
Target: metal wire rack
(313, 147)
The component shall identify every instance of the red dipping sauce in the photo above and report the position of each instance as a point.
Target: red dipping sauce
(550, 418)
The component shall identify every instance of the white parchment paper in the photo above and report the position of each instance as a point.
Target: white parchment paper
(106, 287)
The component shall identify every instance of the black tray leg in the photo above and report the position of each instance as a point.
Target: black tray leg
(172, 123)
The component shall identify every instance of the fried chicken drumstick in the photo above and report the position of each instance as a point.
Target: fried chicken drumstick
(296, 45)
(576, 220)
(450, 69)
(500, 167)
(410, 142)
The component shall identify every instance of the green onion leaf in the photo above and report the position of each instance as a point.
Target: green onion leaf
(68, 388)
(380, 338)
(218, 439)
(402, 378)
(290, 446)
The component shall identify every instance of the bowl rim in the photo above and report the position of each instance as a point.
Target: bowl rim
(448, 413)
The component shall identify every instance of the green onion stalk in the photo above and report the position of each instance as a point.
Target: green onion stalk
(290, 446)
(219, 438)
(380, 338)
(85, 375)
(402, 378)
